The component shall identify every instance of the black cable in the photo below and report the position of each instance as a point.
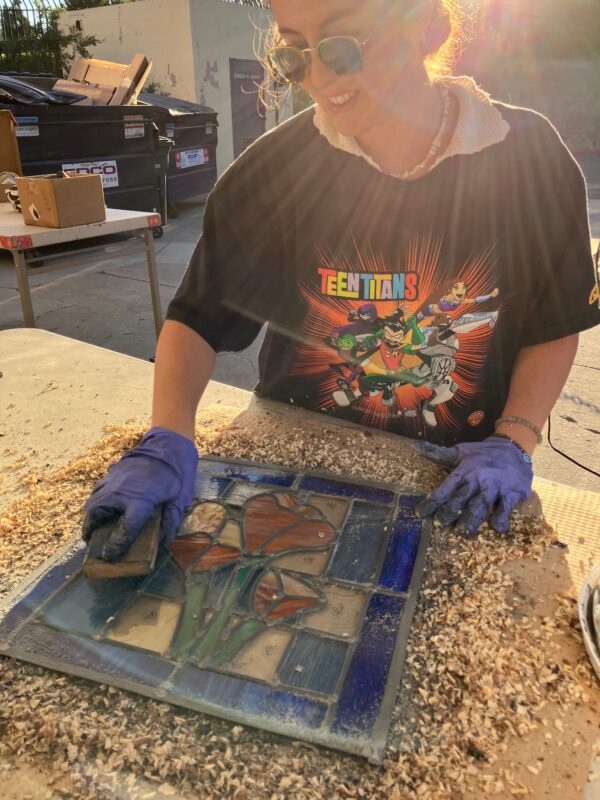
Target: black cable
(564, 455)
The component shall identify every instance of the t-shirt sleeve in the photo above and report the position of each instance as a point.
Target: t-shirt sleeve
(226, 293)
(562, 299)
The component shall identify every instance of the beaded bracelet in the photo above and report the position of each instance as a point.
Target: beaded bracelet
(524, 453)
(521, 421)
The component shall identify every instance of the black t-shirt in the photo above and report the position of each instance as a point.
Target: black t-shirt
(396, 304)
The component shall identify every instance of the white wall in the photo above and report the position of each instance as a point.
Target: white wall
(221, 31)
(160, 29)
(190, 43)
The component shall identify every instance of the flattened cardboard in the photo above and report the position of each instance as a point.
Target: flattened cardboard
(10, 160)
(50, 201)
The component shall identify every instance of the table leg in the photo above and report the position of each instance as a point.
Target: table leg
(24, 290)
(153, 278)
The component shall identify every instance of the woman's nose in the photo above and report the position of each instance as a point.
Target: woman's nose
(320, 76)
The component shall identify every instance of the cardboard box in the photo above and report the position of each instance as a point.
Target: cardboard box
(105, 82)
(10, 160)
(62, 201)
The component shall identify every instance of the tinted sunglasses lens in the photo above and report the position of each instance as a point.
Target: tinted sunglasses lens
(289, 63)
(341, 54)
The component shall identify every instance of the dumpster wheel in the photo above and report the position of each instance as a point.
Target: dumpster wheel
(159, 232)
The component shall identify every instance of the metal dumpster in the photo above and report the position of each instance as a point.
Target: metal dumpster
(120, 143)
(193, 159)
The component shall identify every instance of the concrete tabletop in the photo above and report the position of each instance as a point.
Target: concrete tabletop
(57, 394)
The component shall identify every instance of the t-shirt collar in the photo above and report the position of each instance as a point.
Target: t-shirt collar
(480, 124)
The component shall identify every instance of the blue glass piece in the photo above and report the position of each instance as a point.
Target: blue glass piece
(314, 483)
(59, 650)
(401, 555)
(358, 552)
(274, 477)
(207, 487)
(167, 580)
(247, 698)
(407, 504)
(313, 662)
(85, 606)
(56, 577)
(365, 682)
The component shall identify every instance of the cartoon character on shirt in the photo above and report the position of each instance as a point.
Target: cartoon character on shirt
(439, 358)
(455, 299)
(363, 322)
(391, 345)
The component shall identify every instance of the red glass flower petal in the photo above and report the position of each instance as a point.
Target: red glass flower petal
(217, 556)
(265, 519)
(186, 549)
(305, 535)
(267, 591)
(291, 605)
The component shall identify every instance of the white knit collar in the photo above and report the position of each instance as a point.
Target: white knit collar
(479, 124)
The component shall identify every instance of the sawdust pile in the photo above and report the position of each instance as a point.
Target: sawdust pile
(482, 671)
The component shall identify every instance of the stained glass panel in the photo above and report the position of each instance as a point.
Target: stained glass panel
(284, 602)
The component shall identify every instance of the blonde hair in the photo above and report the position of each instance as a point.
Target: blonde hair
(462, 25)
(441, 62)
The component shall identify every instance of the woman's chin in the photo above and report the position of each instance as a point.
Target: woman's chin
(351, 123)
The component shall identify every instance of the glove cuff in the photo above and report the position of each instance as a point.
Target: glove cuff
(524, 454)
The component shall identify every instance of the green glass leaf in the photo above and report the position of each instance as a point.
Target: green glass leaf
(189, 625)
(236, 642)
(212, 636)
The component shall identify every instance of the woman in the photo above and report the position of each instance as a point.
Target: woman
(420, 252)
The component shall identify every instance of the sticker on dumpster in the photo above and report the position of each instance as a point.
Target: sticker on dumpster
(28, 126)
(192, 158)
(170, 131)
(108, 170)
(134, 127)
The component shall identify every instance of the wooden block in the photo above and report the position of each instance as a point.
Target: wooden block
(139, 560)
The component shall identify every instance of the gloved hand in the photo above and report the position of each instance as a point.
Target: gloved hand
(160, 471)
(488, 479)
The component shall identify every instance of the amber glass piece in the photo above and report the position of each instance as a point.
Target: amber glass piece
(342, 614)
(261, 657)
(204, 518)
(148, 623)
(333, 508)
(217, 556)
(293, 587)
(310, 562)
(186, 549)
(231, 535)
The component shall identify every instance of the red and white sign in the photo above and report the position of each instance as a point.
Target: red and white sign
(107, 169)
(186, 159)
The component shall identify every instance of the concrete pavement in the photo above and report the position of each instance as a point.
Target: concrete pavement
(108, 304)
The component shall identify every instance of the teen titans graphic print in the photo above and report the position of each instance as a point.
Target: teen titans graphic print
(398, 346)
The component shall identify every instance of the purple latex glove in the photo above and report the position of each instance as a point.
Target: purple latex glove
(160, 471)
(488, 479)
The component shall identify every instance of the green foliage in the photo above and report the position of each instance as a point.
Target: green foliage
(40, 45)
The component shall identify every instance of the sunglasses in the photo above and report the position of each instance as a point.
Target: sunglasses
(340, 54)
